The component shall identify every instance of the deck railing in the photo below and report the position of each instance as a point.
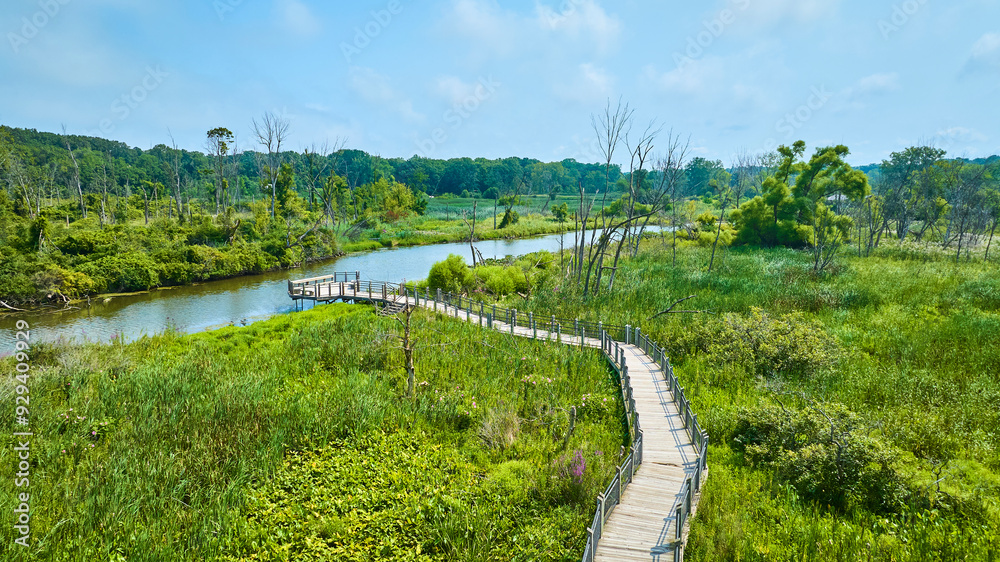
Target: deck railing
(612, 340)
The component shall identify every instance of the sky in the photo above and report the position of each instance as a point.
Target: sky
(480, 78)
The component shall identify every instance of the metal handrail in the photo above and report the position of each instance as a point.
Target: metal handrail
(611, 338)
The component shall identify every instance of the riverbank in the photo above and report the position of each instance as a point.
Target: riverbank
(295, 435)
(66, 279)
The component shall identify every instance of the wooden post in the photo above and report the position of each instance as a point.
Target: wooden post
(687, 497)
(600, 500)
(678, 525)
(697, 474)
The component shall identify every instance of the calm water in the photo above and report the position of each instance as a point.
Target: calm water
(245, 299)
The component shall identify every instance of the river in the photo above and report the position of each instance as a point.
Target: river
(242, 300)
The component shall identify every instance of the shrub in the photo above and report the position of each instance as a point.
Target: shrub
(510, 217)
(768, 345)
(127, 272)
(823, 452)
(560, 212)
(448, 275)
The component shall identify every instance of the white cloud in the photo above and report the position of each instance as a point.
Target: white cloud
(985, 54)
(580, 18)
(578, 26)
(696, 77)
(878, 83)
(775, 12)
(588, 84)
(298, 19)
(318, 107)
(486, 23)
(455, 90)
(377, 89)
(988, 46)
(858, 95)
(954, 135)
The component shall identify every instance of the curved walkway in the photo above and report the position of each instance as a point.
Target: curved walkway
(642, 514)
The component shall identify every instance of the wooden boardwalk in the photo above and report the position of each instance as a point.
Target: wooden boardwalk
(662, 492)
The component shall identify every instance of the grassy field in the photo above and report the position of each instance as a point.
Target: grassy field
(853, 415)
(293, 439)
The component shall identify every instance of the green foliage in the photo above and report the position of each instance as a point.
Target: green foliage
(510, 218)
(561, 212)
(825, 452)
(293, 438)
(902, 339)
(449, 275)
(769, 345)
(797, 216)
(127, 272)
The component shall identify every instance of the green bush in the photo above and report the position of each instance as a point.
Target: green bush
(510, 217)
(825, 453)
(127, 272)
(449, 275)
(764, 344)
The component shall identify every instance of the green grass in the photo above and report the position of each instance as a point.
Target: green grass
(292, 439)
(916, 361)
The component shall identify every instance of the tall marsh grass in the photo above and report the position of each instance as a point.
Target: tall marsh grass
(292, 439)
(917, 361)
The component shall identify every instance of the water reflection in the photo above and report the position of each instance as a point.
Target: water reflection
(246, 299)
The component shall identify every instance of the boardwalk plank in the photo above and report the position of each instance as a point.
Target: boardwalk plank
(641, 526)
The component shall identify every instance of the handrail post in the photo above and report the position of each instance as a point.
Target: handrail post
(678, 524)
(531, 323)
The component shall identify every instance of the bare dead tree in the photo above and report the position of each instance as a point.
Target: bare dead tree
(76, 173)
(17, 179)
(609, 128)
(639, 152)
(175, 168)
(317, 164)
(271, 131)
(725, 194)
(670, 171)
(670, 309)
(472, 231)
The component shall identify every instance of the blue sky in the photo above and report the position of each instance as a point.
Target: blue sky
(448, 78)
